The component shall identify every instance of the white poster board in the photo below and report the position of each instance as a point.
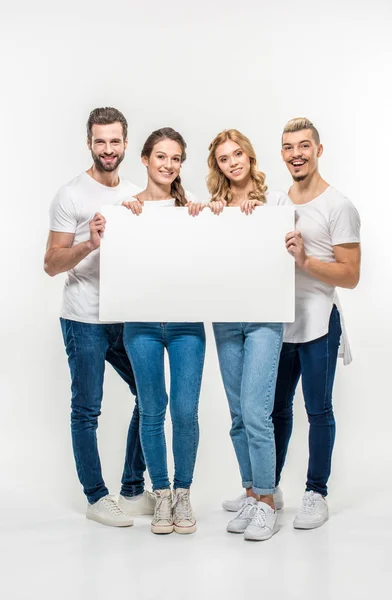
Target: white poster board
(165, 265)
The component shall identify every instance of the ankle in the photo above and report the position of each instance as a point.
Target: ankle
(268, 499)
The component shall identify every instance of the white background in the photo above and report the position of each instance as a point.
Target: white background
(198, 67)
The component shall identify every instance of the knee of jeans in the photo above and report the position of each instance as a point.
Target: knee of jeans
(322, 418)
(184, 420)
(152, 419)
(236, 424)
(283, 412)
(82, 415)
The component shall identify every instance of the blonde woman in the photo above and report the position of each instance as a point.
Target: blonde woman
(248, 352)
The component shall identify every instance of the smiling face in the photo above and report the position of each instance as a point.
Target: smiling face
(233, 161)
(300, 152)
(164, 162)
(107, 146)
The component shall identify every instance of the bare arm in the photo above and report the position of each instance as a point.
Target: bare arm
(61, 256)
(342, 273)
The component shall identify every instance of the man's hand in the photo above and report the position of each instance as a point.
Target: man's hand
(296, 247)
(97, 227)
(217, 206)
(248, 206)
(195, 208)
(136, 206)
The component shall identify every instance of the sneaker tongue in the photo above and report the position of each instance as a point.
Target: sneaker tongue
(250, 500)
(266, 507)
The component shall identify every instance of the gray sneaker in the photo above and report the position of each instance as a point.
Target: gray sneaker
(107, 512)
(162, 521)
(183, 519)
(141, 505)
(243, 517)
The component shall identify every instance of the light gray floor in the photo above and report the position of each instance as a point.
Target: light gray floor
(56, 553)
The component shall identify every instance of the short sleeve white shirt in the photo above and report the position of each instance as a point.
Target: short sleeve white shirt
(71, 211)
(325, 222)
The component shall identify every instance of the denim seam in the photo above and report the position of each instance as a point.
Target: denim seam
(77, 379)
(270, 383)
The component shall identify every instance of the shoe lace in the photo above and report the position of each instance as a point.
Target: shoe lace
(182, 506)
(259, 517)
(246, 511)
(111, 505)
(163, 508)
(308, 502)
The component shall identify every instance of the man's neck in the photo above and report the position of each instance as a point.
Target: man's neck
(154, 191)
(110, 179)
(307, 190)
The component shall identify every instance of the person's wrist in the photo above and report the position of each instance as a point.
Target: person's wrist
(90, 246)
(306, 264)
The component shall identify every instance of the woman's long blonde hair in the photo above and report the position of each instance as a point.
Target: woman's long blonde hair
(218, 184)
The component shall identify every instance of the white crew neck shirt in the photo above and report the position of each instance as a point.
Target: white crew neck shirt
(327, 221)
(71, 211)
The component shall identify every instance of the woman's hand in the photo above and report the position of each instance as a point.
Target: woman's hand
(217, 206)
(248, 206)
(136, 206)
(195, 208)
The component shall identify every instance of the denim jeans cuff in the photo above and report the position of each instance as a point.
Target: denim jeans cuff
(263, 491)
(247, 484)
(132, 491)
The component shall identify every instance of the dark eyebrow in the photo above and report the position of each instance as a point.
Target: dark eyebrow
(301, 142)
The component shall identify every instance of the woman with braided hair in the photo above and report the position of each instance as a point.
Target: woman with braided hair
(163, 154)
(248, 352)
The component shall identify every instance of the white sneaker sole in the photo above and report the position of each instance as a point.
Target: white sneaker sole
(299, 525)
(233, 530)
(185, 530)
(104, 521)
(261, 538)
(162, 529)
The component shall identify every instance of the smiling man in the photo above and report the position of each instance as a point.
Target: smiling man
(326, 249)
(76, 227)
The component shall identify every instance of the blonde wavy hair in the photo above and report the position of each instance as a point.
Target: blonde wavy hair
(218, 184)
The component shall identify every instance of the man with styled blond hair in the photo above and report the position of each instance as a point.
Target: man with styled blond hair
(326, 249)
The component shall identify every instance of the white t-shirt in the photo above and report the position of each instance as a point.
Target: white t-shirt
(71, 211)
(327, 221)
(169, 201)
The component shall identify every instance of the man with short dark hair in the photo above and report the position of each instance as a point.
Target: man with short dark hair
(76, 227)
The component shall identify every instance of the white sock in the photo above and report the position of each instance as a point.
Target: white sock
(133, 498)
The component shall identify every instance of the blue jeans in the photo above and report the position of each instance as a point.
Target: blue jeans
(88, 346)
(248, 357)
(145, 344)
(316, 362)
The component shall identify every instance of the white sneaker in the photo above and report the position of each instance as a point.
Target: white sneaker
(162, 521)
(313, 512)
(243, 517)
(183, 519)
(107, 512)
(264, 523)
(143, 504)
(236, 504)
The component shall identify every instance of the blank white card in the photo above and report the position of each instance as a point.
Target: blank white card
(165, 265)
